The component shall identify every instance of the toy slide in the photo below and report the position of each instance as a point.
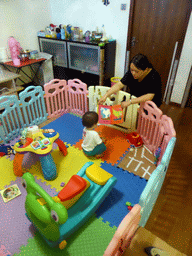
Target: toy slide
(58, 217)
(61, 146)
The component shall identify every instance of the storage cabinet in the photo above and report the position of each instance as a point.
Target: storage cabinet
(89, 62)
(56, 48)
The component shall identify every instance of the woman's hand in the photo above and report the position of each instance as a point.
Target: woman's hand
(125, 104)
(102, 100)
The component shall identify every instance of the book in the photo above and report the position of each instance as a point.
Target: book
(110, 114)
(10, 193)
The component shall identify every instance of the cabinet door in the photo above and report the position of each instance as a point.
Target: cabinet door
(84, 57)
(55, 48)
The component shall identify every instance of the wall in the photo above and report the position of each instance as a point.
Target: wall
(22, 19)
(91, 14)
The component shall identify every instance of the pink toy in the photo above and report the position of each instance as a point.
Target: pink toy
(15, 49)
(125, 232)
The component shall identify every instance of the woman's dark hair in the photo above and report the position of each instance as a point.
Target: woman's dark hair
(89, 119)
(141, 61)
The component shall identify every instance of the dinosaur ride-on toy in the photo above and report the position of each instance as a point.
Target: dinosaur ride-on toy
(58, 217)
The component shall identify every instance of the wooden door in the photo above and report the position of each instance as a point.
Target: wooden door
(157, 29)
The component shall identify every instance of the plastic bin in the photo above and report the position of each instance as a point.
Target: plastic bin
(114, 80)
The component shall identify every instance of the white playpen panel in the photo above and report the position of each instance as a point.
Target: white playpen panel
(130, 113)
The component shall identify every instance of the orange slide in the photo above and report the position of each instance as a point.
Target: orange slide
(61, 146)
(17, 164)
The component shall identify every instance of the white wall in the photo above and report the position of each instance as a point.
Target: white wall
(22, 19)
(91, 14)
(184, 67)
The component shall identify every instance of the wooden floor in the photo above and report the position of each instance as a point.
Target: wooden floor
(171, 219)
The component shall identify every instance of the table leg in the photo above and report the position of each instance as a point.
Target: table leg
(17, 164)
(61, 146)
(48, 166)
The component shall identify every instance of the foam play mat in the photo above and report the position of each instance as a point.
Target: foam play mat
(116, 143)
(19, 236)
(139, 161)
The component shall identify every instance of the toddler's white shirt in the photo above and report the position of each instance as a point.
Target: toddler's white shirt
(90, 139)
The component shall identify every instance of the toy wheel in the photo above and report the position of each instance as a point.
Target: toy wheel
(63, 244)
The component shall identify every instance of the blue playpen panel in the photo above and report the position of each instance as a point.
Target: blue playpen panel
(33, 105)
(10, 118)
(150, 193)
(16, 114)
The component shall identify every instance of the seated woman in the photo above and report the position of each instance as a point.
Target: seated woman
(142, 81)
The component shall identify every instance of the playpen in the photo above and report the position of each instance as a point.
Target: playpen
(34, 106)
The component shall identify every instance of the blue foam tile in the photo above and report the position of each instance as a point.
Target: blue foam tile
(128, 188)
(69, 127)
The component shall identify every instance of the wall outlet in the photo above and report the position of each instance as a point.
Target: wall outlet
(123, 7)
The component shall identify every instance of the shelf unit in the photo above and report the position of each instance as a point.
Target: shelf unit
(7, 83)
(91, 63)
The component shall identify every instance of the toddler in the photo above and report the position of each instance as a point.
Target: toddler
(92, 144)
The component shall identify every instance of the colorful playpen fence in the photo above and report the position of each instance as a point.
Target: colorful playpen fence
(156, 129)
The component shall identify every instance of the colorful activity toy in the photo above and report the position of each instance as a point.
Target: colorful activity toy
(39, 142)
(56, 218)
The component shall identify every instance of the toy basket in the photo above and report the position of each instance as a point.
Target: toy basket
(114, 80)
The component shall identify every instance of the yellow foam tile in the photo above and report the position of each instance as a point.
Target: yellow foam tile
(6, 172)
